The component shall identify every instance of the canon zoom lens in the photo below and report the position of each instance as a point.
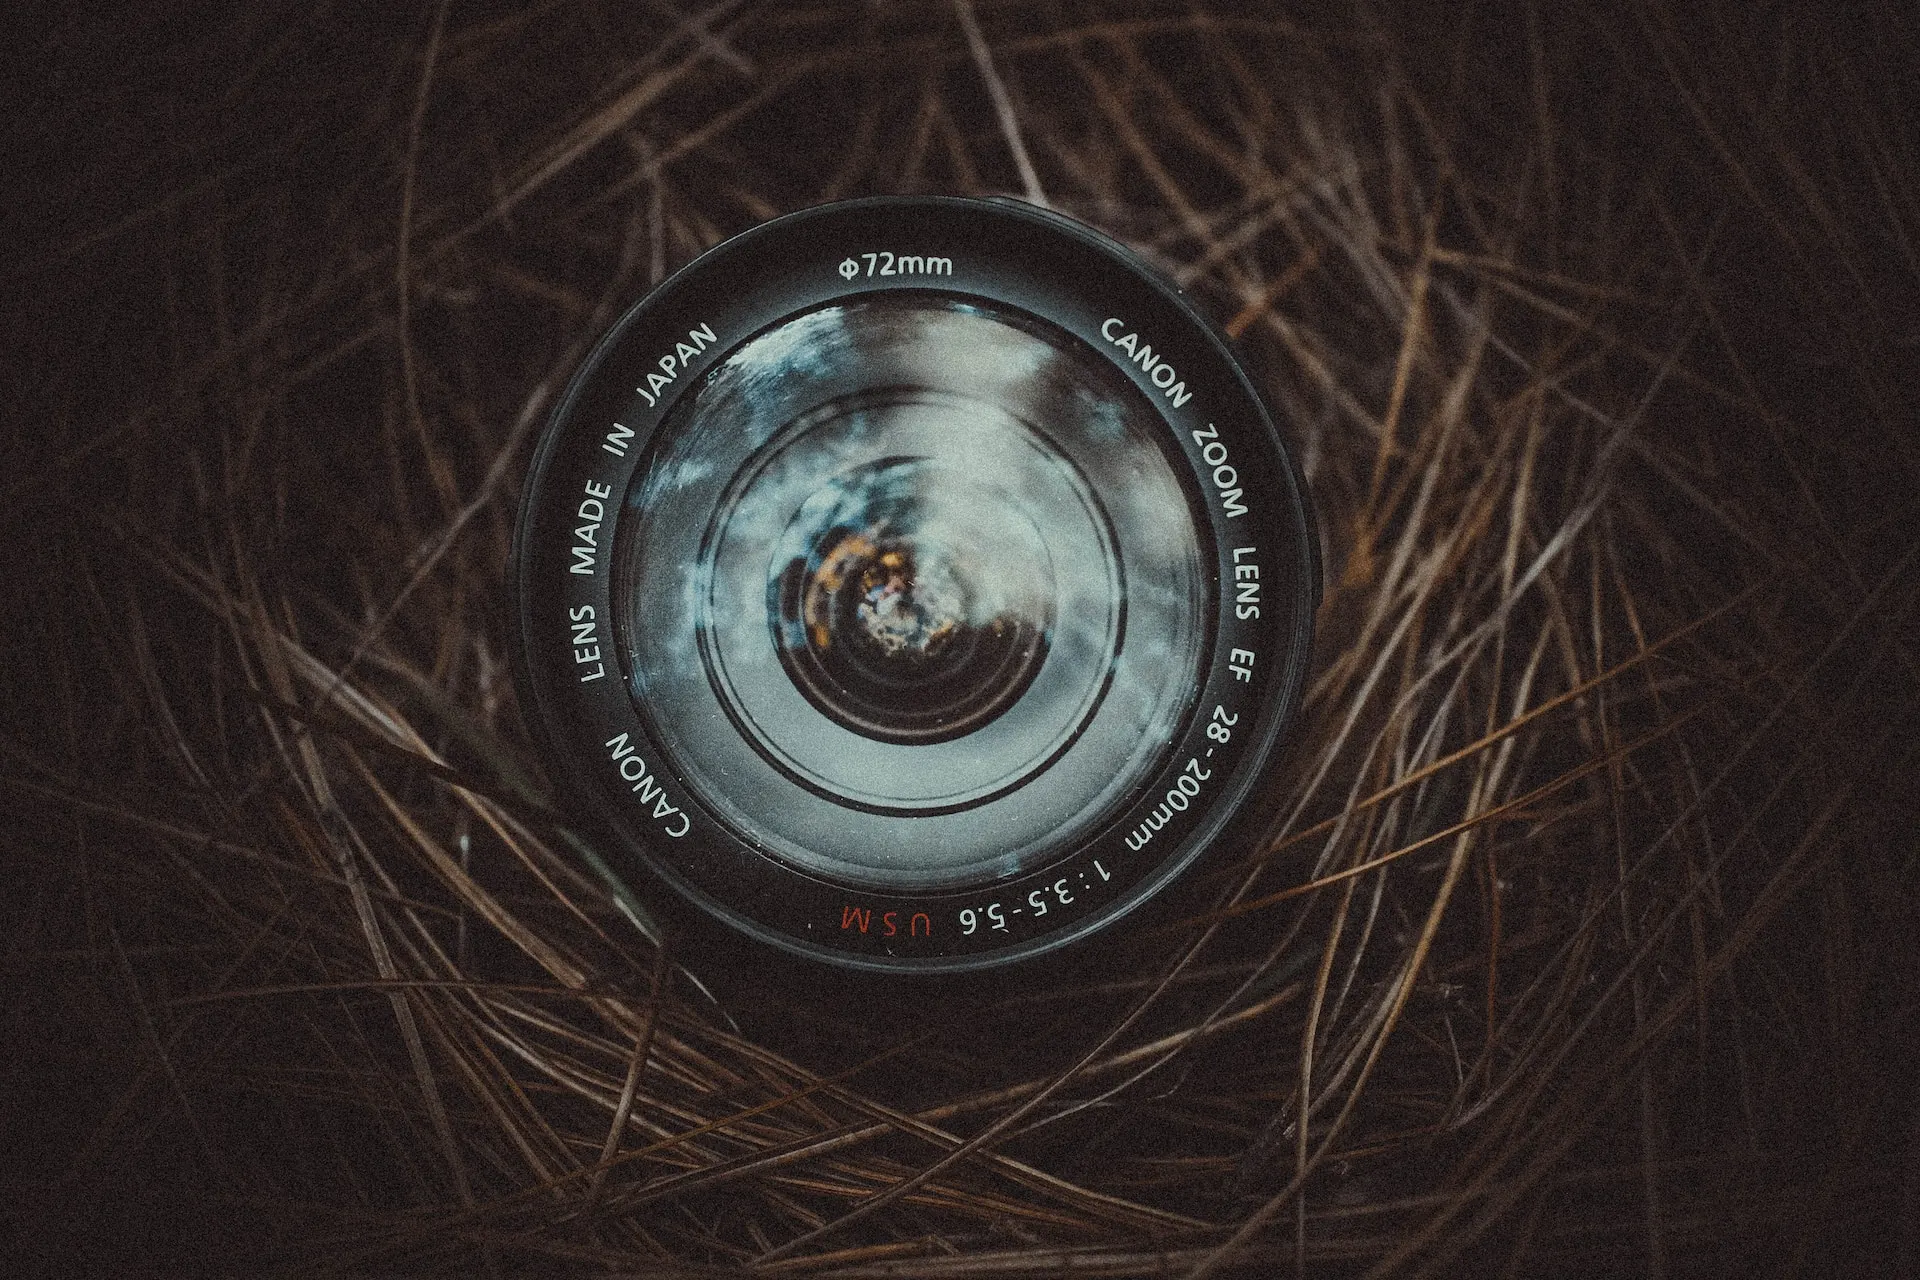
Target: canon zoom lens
(912, 584)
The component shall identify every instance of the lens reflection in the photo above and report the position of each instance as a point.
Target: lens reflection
(900, 623)
(910, 592)
(929, 500)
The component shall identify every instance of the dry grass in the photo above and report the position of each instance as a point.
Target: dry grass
(1583, 942)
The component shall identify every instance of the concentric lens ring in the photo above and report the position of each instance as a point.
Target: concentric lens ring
(965, 480)
(897, 625)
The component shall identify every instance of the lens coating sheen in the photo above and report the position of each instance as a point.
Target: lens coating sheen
(909, 591)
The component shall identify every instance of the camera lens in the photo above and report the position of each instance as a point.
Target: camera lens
(913, 584)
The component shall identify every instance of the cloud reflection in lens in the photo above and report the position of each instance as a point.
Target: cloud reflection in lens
(910, 592)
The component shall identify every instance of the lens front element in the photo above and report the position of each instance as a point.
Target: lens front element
(912, 591)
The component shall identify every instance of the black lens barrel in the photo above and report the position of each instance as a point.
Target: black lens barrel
(911, 584)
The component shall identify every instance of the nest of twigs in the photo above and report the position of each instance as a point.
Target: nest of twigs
(1583, 940)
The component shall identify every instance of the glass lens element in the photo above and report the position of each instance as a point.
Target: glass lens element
(910, 592)
(909, 601)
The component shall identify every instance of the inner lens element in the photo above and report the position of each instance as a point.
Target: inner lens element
(910, 597)
(910, 592)
(909, 602)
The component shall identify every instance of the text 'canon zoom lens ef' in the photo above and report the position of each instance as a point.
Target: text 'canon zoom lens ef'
(912, 584)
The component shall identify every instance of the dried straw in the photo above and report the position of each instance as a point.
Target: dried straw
(1582, 941)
